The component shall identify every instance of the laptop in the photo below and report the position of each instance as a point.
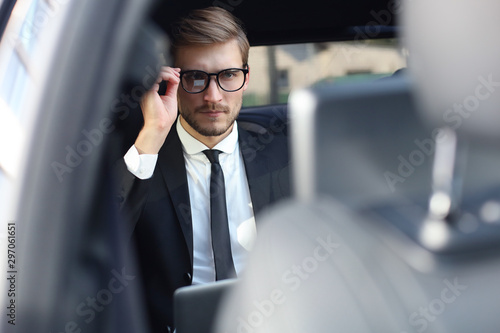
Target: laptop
(195, 307)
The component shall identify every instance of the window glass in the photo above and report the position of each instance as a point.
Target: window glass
(277, 70)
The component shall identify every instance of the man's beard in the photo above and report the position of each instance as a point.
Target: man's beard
(210, 130)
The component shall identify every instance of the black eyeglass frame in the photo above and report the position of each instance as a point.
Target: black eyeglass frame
(244, 70)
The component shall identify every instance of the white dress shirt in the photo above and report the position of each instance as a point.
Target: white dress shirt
(242, 229)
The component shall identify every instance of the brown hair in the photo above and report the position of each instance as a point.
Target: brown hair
(209, 26)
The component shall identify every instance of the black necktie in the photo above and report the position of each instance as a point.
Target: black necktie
(221, 244)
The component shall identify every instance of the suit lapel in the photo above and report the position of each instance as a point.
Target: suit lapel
(173, 170)
(257, 170)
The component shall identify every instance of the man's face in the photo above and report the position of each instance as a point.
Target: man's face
(213, 111)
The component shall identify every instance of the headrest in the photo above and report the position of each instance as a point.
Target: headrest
(455, 58)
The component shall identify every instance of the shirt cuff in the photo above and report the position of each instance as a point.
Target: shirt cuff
(140, 165)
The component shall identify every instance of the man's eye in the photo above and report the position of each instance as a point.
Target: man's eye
(229, 74)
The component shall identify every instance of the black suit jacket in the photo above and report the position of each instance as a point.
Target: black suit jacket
(160, 211)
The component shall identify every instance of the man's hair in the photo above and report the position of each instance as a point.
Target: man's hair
(208, 26)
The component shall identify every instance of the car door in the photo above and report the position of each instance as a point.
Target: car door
(70, 272)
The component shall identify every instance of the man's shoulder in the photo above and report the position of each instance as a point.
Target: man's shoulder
(269, 120)
(263, 134)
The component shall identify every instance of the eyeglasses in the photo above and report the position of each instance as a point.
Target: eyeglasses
(230, 80)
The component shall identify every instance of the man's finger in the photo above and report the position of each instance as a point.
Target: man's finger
(166, 74)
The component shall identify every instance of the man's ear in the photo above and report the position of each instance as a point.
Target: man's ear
(247, 79)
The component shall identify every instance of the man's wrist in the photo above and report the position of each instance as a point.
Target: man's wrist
(149, 141)
(141, 166)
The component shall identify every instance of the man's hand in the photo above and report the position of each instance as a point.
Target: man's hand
(159, 112)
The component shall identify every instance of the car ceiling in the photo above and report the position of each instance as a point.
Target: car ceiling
(295, 21)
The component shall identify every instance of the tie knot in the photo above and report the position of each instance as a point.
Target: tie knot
(212, 155)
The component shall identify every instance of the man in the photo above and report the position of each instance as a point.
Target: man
(168, 188)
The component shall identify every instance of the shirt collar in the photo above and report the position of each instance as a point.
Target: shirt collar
(192, 146)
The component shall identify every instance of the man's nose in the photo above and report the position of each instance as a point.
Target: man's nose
(213, 92)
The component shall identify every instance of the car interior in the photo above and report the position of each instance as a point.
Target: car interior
(388, 155)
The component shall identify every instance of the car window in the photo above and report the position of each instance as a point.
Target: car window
(21, 68)
(277, 70)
